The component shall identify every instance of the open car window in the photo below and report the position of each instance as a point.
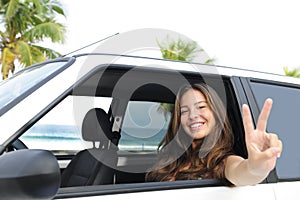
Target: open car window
(58, 130)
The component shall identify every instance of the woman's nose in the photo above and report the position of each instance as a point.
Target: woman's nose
(193, 114)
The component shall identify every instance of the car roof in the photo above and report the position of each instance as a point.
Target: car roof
(192, 67)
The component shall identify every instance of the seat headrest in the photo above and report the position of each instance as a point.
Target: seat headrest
(96, 126)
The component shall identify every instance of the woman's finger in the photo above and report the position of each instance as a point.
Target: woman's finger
(264, 115)
(247, 120)
(275, 142)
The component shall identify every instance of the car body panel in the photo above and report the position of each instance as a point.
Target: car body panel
(287, 190)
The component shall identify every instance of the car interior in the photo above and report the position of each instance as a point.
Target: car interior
(96, 165)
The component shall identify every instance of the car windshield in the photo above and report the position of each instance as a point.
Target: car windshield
(24, 82)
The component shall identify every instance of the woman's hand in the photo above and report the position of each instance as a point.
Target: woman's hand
(263, 148)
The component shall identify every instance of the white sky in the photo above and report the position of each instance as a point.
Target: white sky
(262, 35)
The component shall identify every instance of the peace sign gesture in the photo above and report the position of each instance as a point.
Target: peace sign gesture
(263, 148)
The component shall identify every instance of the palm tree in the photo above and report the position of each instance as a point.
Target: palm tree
(295, 72)
(25, 23)
(178, 50)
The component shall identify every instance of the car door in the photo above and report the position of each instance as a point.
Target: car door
(284, 121)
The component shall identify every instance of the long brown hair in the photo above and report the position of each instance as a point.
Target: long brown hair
(179, 160)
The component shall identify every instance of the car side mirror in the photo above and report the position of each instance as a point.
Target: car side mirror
(29, 174)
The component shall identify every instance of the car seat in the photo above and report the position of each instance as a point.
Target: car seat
(96, 165)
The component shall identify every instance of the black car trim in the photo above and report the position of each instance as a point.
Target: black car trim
(240, 97)
(288, 179)
(85, 191)
(273, 82)
(251, 100)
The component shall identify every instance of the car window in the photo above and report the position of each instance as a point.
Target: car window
(16, 87)
(145, 124)
(284, 121)
(58, 130)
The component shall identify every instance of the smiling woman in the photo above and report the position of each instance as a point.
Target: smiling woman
(193, 105)
(200, 125)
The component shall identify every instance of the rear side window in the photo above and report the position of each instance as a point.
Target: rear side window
(284, 121)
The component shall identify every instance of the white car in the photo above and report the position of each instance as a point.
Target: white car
(46, 114)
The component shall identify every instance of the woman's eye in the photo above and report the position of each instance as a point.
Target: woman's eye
(183, 111)
(201, 107)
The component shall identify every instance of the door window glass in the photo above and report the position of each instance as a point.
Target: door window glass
(284, 120)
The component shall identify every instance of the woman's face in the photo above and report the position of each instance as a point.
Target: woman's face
(197, 119)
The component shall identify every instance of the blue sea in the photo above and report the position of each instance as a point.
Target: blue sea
(53, 137)
(68, 137)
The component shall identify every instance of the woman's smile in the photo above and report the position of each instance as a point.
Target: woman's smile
(197, 118)
(195, 126)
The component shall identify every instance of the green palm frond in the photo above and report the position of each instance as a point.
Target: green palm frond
(3, 36)
(179, 49)
(26, 23)
(7, 62)
(58, 9)
(24, 51)
(52, 7)
(37, 54)
(52, 30)
(3, 3)
(11, 9)
(7, 55)
(294, 73)
(47, 52)
(17, 20)
(36, 5)
(209, 61)
(30, 54)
